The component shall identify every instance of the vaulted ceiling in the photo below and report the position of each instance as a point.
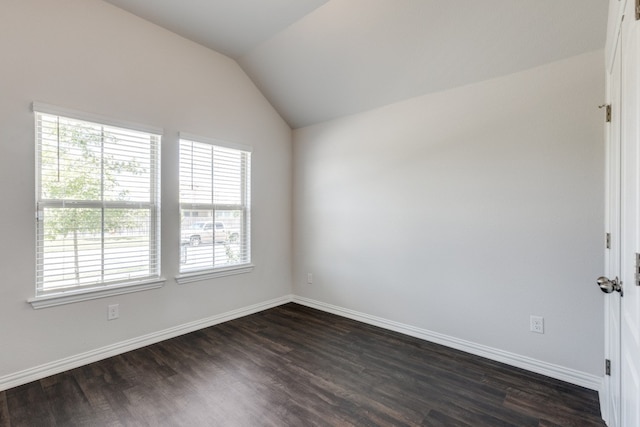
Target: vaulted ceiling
(317, 60)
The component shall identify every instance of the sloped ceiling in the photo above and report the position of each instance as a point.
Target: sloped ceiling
(317, 60)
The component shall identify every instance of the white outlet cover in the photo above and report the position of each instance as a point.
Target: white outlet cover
(536, 324)
(113, 312)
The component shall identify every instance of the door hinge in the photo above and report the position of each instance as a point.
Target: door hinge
(637, 10)
(607, 367)
(637, 276)
(607, 109)
(607, 241)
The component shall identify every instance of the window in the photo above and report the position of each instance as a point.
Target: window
(97, 203)
(215, 207)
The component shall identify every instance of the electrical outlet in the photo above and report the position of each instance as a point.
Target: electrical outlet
(309, 278)
(113, 311)
(536, 324)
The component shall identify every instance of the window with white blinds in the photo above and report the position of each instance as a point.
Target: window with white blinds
(215, 205)
(98, 212)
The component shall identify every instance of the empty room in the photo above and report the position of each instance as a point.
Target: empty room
(320, 212)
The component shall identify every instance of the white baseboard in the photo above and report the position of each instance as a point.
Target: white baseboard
(554, 371)
(572, 376)
(58, 366)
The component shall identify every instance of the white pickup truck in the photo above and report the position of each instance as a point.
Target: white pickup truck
(204, 232)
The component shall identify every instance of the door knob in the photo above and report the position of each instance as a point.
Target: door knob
(607, 286)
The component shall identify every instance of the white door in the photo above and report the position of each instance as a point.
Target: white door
(612, 389)
(630, 220)
(621, 400)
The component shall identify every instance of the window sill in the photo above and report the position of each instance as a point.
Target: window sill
(70, 297)
(197, 276)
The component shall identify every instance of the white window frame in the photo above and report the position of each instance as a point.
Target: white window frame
(190, 276)
(98, 289)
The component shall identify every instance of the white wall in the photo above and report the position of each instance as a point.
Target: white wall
(464, 212)
(90, 56)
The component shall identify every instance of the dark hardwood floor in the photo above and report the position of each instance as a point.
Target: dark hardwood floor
(295, 366)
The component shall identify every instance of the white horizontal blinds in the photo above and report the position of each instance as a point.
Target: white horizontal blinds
(215, 206)
(98, 207)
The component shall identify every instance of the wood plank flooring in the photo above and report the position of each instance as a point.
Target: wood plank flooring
(295, 366)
